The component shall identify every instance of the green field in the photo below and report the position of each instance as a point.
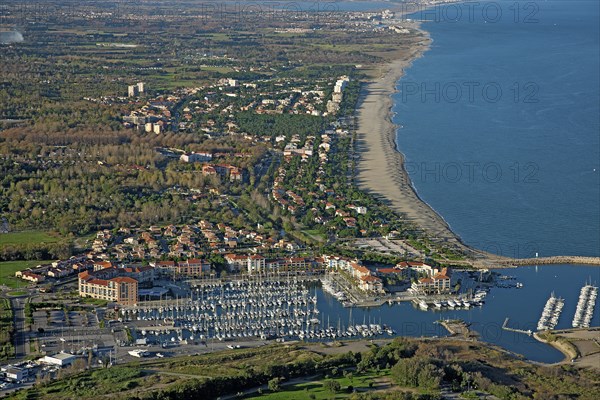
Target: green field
(17, 293)
(8, 269)
(316, 389)
(27, 237)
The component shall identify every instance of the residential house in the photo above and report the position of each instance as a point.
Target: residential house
(30, 276)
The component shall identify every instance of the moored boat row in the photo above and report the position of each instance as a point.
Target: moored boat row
(452, 303)
(585, 307)
(551, 313)
(236, 310)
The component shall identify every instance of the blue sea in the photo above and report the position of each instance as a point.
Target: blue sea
(500, 124)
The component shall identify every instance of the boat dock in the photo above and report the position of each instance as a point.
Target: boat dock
(240, 310)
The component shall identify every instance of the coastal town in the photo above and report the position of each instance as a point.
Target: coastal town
(176, 305)
(207, 201)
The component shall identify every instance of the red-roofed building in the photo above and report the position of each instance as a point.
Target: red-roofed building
(436, 283)
(193, 267)
(410, 264)
(98, 265)
(256, 263)
(208, 170)
(142, 274)
(165, 264)
(236, 262)
(358, 271)
(370, 284)
(30, 276)
(402, 273)
(121, 289)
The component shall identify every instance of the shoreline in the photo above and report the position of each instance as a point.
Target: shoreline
(381, 169)
(569, 352)
(376, 144)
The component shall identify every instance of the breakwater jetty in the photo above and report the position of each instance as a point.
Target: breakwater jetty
(456, 327)
(549, 260)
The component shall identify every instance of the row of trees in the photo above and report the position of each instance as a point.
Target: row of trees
(6, 330)
(422, 365)
(36, 251)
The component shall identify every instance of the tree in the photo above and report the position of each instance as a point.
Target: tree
(274, 384)
(332, 386)
(416, 372)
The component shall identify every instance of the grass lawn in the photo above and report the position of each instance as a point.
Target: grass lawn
(17, 293)
(8, 269)
(28, 237)
(315, 235)
(303, 391)
(96, 302)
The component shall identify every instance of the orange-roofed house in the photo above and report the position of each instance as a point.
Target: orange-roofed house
(30, 276)
(208, 170)
(99, 265)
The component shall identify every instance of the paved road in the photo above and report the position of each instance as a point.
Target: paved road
(18, 306)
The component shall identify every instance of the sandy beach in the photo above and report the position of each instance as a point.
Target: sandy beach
(381, 169)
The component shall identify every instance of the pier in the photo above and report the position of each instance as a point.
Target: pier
(507, 328)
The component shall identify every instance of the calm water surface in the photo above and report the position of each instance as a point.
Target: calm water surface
(500, 125)
(522, 306)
